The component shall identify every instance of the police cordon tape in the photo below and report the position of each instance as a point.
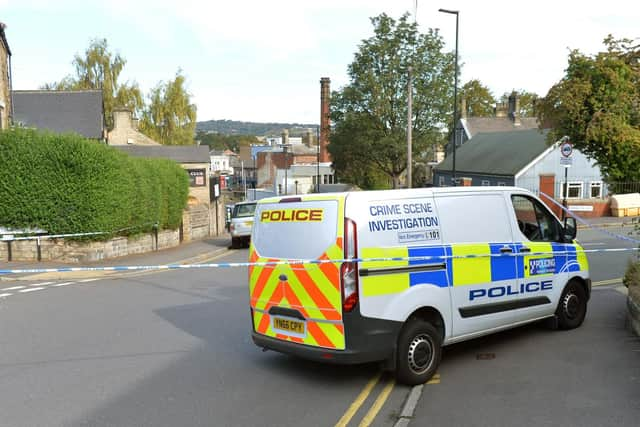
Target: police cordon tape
(303, 262)
(588, 224)
(339, 261)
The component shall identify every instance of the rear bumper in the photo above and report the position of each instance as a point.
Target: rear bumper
(367, 340)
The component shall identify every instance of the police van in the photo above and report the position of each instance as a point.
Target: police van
(395, 275)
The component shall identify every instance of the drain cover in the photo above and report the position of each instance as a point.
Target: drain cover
(485, 356)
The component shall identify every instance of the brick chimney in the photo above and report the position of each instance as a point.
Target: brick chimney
(514, 108)
(324, 119)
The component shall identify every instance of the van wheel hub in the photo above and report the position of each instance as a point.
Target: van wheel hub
(571, 305)
(420, 354)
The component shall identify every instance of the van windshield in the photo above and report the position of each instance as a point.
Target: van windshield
(302, 230)
(241, 211)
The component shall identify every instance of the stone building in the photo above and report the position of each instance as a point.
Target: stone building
(6, 111)
(125, 130)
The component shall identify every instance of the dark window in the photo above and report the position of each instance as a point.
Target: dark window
(535, 222)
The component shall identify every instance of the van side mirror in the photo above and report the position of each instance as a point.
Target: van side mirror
(570, 229)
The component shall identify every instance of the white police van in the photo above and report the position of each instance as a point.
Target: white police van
(395, 275)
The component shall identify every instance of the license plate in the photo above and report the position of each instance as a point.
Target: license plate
(288, 325)
(248, 224)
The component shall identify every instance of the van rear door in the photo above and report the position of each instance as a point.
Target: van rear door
(299, 302)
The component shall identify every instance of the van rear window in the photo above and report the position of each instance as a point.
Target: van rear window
(301, 230)
(241, 211)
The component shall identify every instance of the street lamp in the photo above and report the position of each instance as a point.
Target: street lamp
(455, 97)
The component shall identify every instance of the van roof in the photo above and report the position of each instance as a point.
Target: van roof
(406, 192)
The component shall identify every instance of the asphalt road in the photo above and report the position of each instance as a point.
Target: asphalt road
(173, 349)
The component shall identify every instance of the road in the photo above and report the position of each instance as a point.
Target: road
(172, 349)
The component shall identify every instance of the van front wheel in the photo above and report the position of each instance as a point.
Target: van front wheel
(419, 352)
(572, 306)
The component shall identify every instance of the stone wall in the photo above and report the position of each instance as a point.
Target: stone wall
(634, 314)
(198, 222)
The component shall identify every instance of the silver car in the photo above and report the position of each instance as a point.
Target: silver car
(241, 224)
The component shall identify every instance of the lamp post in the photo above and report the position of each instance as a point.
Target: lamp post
(409, 126)
(455, 97)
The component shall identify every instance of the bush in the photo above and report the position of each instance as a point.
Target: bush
(68, 184)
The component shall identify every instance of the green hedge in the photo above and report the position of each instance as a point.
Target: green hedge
(68, 184)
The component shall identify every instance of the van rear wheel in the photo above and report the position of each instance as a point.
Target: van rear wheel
(572, 306)
(419, 352)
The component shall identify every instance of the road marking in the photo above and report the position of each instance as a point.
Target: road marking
(593, 244)
(359, 401)
(41, 284)
(435, 379)
(63, 284)
(377, 405)
(87, 280)
(14, 288)
(607, 282)
(5, 295)
(24, 291)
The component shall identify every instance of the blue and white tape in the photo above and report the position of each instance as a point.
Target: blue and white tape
(590, 225)
(300, 262)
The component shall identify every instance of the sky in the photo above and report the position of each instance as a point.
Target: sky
(262, 61)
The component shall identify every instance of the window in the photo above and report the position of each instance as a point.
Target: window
(502, 184)
(596, 189)
(534, 220)
(486, 183)
(441, 181)
(574, 190)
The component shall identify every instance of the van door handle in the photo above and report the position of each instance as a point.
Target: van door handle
(506, 250)
(525, 249)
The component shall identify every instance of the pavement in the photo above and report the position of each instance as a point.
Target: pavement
(612, 221)
(193, 252)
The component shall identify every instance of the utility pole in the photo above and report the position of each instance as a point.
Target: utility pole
(409, 126)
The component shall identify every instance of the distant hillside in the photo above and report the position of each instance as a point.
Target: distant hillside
(233, 127)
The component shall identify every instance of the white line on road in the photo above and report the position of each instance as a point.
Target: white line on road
(5, 295)
(593, 244)
(41, 284)
(87, 280)
(63, 284)
(24, 291)
(14, 288)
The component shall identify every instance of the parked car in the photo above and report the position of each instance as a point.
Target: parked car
(241, 224)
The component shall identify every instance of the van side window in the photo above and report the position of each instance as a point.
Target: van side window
(534, 221)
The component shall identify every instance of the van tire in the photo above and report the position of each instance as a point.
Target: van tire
(235, 243)
(419, 352)
(572, 307)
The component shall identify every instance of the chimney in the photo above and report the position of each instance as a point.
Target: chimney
(324, 119)
(285, 136)
(463, 108)
(514, 108)
(308, 138)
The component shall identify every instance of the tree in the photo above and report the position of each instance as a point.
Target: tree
(170, 117)
(99, 69)
(597, 105)
(478, 99)
(369, 137)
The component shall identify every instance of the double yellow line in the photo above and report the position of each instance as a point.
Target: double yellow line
(364, 394)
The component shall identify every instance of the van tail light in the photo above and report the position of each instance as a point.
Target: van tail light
(349, 269)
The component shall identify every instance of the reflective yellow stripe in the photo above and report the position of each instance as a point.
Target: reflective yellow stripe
(470, 271)
(388, 283)
(582, 258)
